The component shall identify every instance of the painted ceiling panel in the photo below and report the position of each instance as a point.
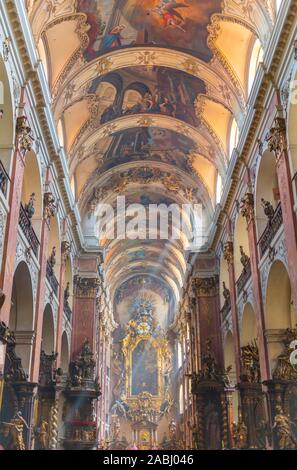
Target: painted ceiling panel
(168, 23)
(147, 91)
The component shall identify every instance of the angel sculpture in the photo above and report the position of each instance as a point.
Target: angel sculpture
(171, 17)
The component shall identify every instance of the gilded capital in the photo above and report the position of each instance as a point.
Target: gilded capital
(65, 251)
(49, 207)
(247, 207)
(206, 286)
(87, 287)
(277, 139)
(24, 135)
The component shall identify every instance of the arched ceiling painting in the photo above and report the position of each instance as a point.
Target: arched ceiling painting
(146, 96)
(167, 23)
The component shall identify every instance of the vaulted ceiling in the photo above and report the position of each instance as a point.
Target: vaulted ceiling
(148, 96)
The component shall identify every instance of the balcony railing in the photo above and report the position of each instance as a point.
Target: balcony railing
(4, 178)
(50, 275)
(27, 228)
(244, 278)
(271, 230)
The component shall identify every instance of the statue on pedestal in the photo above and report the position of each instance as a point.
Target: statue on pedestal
(283, 429)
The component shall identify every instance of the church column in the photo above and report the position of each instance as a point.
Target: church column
(83, 390)
(101, 378)
(277, 141)
(86, 285)
(248, 211)
(229, 257)
(209, 325)
(65, 253)
(189, 369)
(49, 210)
(104, 384)
(211, 431)
(183, 376)
(195, 335)
(23, 144)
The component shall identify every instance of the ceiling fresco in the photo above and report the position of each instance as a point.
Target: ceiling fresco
(149, 144)
(167, 23)
(147, 96)
(157, 90)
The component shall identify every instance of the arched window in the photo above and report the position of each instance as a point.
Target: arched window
(219, 189)
(73, 187)
(234, 136)
(60, 131)
(256, 58)
(181, 399)
(278, 5)
(179, 355)
(43, 56)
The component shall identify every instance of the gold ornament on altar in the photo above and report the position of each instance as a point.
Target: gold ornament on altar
(147, 360)
(284, 370)
(240, 434)
(250, 361)
(16, 428)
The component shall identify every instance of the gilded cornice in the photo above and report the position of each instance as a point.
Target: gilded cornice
(206, 286)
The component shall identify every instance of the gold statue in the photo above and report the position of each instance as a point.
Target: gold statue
(42, 435)
(16, 430)
(116, 428)
(172, 430)
(240, 434)
(283, 427)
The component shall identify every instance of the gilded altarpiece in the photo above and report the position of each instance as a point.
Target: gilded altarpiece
(147, 365)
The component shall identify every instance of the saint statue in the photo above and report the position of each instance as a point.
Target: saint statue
(240, 434)
(42, 435)
(67, 293)
(16, 429)
(268, 209)
(283, 429)
(52, 259)
(244, 258)
(30, 210)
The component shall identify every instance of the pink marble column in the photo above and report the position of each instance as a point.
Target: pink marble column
(86, 286)
(48, 205)
(248, 211)
(277, 142)
(65, 252)
(22, 146)
(229, 257)
(209, 326)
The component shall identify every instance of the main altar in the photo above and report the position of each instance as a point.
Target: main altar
(145, 361)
